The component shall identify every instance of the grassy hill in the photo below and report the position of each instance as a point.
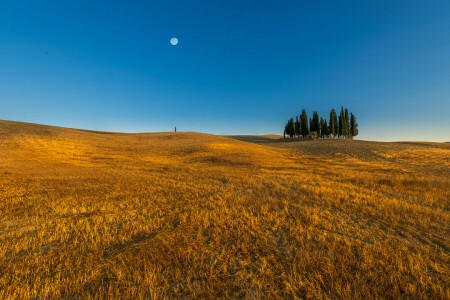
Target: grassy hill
(95, 214)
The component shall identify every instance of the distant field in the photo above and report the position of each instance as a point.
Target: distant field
(108, 215)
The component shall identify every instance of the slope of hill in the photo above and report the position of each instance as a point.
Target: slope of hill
(422, 155)
(94, 214)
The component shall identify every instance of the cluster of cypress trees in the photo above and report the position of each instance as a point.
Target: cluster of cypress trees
(342, 126)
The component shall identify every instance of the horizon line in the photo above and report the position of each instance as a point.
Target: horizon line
(178, 131)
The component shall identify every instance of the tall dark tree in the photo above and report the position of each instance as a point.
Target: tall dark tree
(341, 128)
(311, 124)
(353, 125)
(291, 127)
(304, 123)
(315, 126)
(287, 128)
(297, 126)
(333, 128)
(324, 127)
(347, 124)
(321, 127)
(342, 125)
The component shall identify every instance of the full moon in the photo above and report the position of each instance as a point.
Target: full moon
(174, 41)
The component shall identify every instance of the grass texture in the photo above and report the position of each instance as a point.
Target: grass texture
(95, 215)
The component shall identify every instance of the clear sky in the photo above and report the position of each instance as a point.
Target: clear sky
(240, 67)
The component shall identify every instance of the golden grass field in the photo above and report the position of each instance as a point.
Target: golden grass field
(87, 214)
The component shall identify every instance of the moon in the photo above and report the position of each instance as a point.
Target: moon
(174, 41)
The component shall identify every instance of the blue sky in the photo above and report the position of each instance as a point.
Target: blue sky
(241, 67)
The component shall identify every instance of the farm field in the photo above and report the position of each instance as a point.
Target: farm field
(86, 214)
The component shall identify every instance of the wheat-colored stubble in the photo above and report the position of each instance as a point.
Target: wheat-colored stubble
(107, 215)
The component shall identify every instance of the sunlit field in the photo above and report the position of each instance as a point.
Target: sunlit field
(88, 214)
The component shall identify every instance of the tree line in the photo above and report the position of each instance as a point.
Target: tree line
(342, 126)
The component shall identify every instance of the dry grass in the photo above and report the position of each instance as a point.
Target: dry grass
(108, 215)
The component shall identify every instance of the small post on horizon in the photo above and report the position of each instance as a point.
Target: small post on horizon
(175, 129)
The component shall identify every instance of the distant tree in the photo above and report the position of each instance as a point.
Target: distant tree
(324, 127)
(175, 129)
(333, 128)
(297, 126)
(347, 124)
(287, 127)
(304, 124)
(291, 127)
(343, 126)
(312, 129)
(316, 123)
(321, 127)
(341, 130)
(353, 125)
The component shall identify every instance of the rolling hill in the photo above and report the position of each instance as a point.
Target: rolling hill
(86, 214)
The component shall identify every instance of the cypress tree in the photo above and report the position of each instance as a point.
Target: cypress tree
(353, 125)
(335, 123)
(347, 124)
(321, 127)
(297, 126)
(333, 128)
(291, 127)
(288, 129)
(341, 130)
(342, 126)
(304, 123)
(316, 123)
(324, 129)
